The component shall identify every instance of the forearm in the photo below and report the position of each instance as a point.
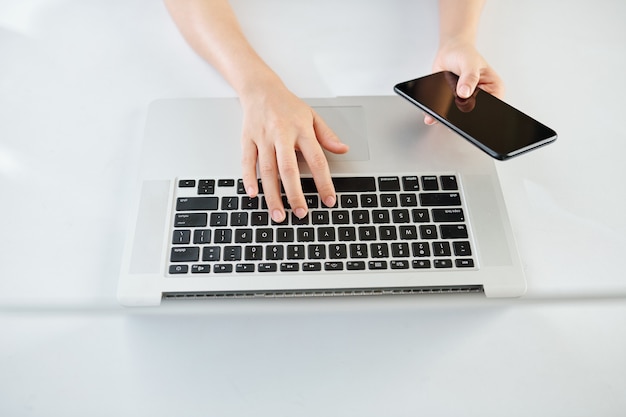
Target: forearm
(458, 20)
(212, 30)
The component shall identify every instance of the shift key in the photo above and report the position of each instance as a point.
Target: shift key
(440, 199)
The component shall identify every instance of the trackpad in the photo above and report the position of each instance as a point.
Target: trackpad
(348, 122)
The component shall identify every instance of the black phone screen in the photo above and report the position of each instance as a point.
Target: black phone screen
(491, 124)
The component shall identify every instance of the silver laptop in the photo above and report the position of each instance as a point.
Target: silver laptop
(419, 210)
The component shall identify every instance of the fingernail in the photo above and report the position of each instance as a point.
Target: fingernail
(464, 91)
(300, 212)
(250, 191)
(329, 201)
(277, 216)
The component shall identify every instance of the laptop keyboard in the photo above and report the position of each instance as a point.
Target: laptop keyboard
(400, 223)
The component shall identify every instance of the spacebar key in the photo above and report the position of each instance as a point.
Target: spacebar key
(440, 199)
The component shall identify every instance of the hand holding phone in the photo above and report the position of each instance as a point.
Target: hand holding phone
(494, 126)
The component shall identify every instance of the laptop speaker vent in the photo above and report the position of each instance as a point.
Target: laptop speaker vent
(324, 293)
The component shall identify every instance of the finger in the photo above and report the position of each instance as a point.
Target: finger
(248, 167)
(271, 186)
(326, 137)
(468, 81)
(290, 177)
(429, 120)
(318, 165)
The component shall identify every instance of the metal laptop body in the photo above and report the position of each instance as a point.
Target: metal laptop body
(195, 138)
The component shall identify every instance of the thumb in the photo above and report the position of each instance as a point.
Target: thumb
(326, 137)
(468, 80)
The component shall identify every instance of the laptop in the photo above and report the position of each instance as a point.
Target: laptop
(419, 211)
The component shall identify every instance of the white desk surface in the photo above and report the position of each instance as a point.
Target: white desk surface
(76, 78)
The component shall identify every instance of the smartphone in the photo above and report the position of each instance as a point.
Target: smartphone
(494, 126)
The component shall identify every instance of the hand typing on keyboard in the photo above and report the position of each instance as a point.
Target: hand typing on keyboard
(277, 123)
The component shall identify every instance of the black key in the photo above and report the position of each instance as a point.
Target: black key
(358, 250)
(388, 200)
(249, 203)
(289, 266)
(206, 187)
(464, 263)
(178, 269)
(420, 249)
(274, 252)
(239, 218)
(354, 184)
(196, 203)
(264, 235)
(400, 250)
(181, 237)
(295, 252)
(259, 218)
(312, 266)
(230, 203)
(400, 216)
(308, 185)
(200, 269)
(190, 220)
(369, 200)
(219, 219)
(453, 231)
(462, 248)
(243, 235)
(410, 183)
(267, 267)
(408, 232)
(355, 265)
(253, 253)
(340, 217)
(320, 217)
(316, 252)
(428, 231)
(244, 267)
(222, 236)
(387, 233)
(240, 187)
(379, 250)
(338, 251)
(377, 265)
(440, 199)
(284, 234)
(299, 222)
(347, 234)
(441, 249)
(443, 263)
(349, 201)
(399, 264)
(211, 253)
(448, 215)
(312, 201)
(232, 253)
(408, 200)
(305, 234)
(389, 184)
(429, 183)
(420, 264)
(380, 216)
(333, 266)
(360, 217)
(326, 234)
(222, 268)
(367, 233)
(448, 182)
(186, 183)
(420, 215)
(226, 183)
(185, 254)
(202, 236)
